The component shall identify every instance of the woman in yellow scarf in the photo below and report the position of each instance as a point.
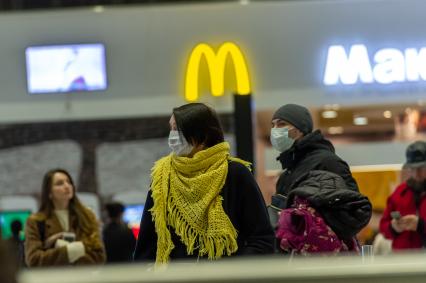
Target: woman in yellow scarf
(202, 202)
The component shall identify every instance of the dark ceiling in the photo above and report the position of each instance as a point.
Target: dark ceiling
(7, 5)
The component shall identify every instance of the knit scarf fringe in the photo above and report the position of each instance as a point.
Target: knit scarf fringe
(213, 246)
(168, 211)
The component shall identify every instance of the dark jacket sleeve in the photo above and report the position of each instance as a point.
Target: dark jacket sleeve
(336, 165)
(146, 244)
(255, 234)
(345, 211)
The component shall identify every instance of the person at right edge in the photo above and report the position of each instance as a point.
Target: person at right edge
(314, 172)
(403, 220)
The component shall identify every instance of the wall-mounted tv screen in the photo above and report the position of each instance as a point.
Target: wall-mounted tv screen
(7, 217)
(132, 216)
(66, 68)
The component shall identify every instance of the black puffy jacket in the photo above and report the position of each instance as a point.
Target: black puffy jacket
(312, 152)
(344, 210)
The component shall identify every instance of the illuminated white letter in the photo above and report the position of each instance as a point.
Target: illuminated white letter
(345, 68)
(390, 66)
(415, 64)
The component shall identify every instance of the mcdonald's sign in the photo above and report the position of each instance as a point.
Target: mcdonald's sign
(216, 66)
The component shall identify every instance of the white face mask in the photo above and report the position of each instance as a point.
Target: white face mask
(178, 144)
(280, 139)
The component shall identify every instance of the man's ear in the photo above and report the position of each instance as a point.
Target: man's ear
(297, 133)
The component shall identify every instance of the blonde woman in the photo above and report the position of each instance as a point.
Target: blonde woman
(203, 203)
(63, 232)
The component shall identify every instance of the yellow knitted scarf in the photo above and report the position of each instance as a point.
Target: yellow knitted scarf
(186, 194)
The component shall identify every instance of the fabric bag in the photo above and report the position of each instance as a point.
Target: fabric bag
(303, 231)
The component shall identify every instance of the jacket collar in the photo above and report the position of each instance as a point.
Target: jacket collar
(54, 226)
(303, 146)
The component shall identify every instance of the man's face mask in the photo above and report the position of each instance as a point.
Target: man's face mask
(280, 139)
(178, 144)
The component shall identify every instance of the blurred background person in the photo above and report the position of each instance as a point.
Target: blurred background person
(17, 242)
(403, 220)
(202, 202)
(382, 245)
(406, 125)
(118, 237)
(64, 231)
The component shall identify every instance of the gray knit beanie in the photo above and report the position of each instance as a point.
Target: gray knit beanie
(296, 115)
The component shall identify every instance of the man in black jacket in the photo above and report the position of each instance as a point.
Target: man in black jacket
(312, 171)
(118, 238)
(302, 150)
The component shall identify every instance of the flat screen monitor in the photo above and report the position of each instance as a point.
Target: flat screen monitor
(7, 217)
(66, 68)
(132, 216)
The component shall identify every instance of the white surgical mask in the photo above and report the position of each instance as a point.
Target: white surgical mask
(178, 143)
(280, 139)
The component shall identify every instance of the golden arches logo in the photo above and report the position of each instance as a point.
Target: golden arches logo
(216, 66)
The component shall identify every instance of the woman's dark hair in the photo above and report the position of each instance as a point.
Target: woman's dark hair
(75, 206)
(199, 124)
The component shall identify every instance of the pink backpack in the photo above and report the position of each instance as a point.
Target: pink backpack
(303, 231)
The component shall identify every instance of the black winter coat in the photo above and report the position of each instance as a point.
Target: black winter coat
(242, 202)
(312, 152)
(344, 210)
(119, 242)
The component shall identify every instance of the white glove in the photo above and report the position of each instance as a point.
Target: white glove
(75, 251)
(60, 243)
